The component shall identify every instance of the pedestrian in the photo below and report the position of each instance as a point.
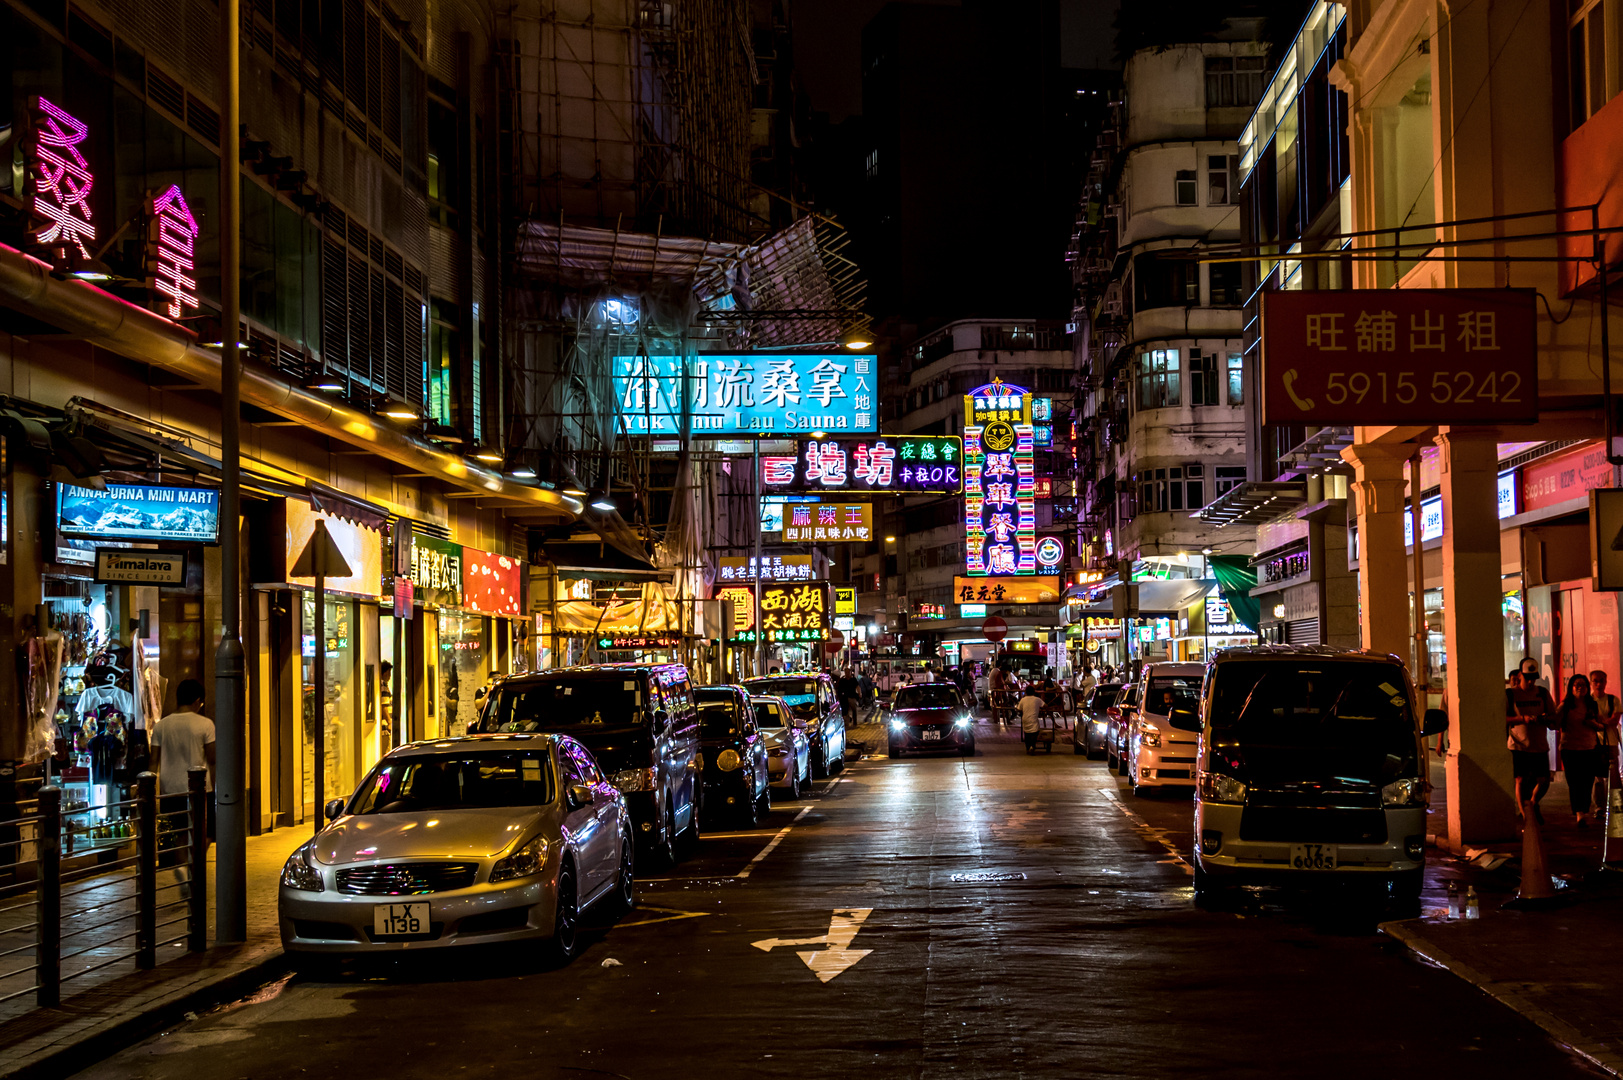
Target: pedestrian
(1529, 714)
(386, 706)
(182, 741)
(1611, 711)
(1031, 707)
(867, 685)
(1578, 720)
(1529, 667)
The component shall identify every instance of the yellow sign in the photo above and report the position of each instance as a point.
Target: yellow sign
(998, 435)
(1006, 590)
(794, 607)
(743, 598)
(845, 600)
(821, 522)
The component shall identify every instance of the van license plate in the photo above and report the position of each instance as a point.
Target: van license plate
(929, 733)
(1313, 856)
(400, 920)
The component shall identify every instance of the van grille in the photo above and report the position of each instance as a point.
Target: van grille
(406, 879)
(1313, 825)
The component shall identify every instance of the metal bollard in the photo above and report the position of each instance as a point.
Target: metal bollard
(146, 871)
(48, 900)
(197, 928)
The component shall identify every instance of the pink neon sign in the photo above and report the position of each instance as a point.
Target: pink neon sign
(172, 239)
(62, 180)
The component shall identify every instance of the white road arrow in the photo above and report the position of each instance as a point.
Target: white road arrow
(832, 961)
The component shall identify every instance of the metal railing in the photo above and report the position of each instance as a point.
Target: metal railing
(100, 913)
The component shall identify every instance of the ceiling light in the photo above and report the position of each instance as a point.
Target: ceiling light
(890, 539)
(576, 490)
(328, 383)
(487, 455)
(522, 472)
(398, 411)
(1206, 551)
(603, 503)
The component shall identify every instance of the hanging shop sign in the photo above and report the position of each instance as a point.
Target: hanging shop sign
(1431, 521)
(1399, 356)
(747, 393)
(141, 567)
(810, 523)
(1507, 494)
(795, 612)
(650, 641)
(436, 571)
(1287, 567)
(743, 608)
(492, 584)
(972, 611)
(171, 240)
(1050, 552)
(1007, 590)
(770, 568)
(904, 464)
(1000, 511)
(361, 548)
(138, 512)
(930, 611)
(845, 600)
(1561, 478)
(58, 182)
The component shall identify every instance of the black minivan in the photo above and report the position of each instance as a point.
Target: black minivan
(640, 723)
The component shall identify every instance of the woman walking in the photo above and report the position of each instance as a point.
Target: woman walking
(1529, 714)
(1582, 755)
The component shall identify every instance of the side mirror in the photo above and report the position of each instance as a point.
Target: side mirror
(579, 795)
(1435, 722)
(333, 808)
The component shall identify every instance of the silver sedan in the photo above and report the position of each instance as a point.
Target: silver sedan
(482, 839)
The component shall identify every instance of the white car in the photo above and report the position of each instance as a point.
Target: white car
(1161, 747)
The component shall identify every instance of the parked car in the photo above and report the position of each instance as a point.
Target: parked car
(1116, 731)
(1093, 720)
(930, 716)
(638, 720)
(1311, 769)
(810, 696)
(477, 839)
(788, 759)
(1161, 734)
(736, 783)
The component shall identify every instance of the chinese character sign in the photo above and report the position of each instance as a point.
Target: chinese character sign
(998, 401)
(769, 568)
(171, 239)
(1000, 506)
(59, 180)
(795, 612)
(820, 522)
(747, 393)
(922, 464)
(1399, 356)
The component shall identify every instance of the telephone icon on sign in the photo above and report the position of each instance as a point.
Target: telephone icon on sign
(1305, 404)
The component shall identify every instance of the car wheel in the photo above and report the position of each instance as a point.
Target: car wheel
(794, 781)
(566, 918)
(895, 753)
(667, 840)
(763, 805)
(1143, 792)
(625, 889)
(749, 810)
(1078, 744)
(819, 765)
(688, 841)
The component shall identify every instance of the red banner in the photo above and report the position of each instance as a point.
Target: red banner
(1563, 477)
(1399, 356)
(491, 584)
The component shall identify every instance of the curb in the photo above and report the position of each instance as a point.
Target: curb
(102, 1041)
(1596, 1053)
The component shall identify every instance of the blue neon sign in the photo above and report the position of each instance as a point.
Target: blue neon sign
(747, 393)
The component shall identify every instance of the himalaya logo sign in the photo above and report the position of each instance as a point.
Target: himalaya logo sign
(141, 567)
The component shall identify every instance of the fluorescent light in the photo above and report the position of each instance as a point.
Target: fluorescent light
(489, 457)
(857, 343)
(603, 503)
(522, 472)
(398, 412)
(576, 490)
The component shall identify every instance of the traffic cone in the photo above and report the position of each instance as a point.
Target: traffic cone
(1535, 884)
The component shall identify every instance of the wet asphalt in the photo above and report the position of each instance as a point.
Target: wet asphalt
(1003, 915)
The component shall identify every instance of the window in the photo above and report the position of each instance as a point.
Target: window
(1202, 378)
(1233, 81)
(441, 364)
(442, 160)
(1227, 477)
(1184, 187)
(1194, 477)
(1219, 182)
(1225, 283)
(1163, 280)
(1158, 379)
(1236, 374)
(1171, 489)
(1587, 60)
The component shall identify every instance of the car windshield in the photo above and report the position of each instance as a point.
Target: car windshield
(768, 715)
(718, 718)
(1103, 697)
(462, 781)
(1173, 692)
(583, 703)
(927, 696)
(1337, 723)
(799, 694)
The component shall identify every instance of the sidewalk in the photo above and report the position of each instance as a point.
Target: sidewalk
(119, 1005)
(1553, 964)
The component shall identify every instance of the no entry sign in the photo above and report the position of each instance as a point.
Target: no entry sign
(995, 629)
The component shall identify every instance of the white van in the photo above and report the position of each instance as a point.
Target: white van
(1310, 767)
(1164, 730)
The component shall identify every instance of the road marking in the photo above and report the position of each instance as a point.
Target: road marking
(1152, 833)
(827, 964)
(774, 842)
(670, 915)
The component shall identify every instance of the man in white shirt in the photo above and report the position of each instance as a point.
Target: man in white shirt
(182, 741)
(1030, 708)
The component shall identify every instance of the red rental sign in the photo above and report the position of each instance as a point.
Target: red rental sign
(1399, 356)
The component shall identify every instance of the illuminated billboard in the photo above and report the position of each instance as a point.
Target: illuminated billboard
(747, 393)
(899, 464)
(1000, 506)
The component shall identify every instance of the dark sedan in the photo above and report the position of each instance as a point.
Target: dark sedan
(1093, 720)
(736, 781)
(930, 716)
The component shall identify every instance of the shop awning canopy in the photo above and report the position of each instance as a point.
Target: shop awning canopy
(1254, 503)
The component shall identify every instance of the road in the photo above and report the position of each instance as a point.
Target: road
(1079, 952)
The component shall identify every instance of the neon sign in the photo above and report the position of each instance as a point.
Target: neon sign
(62, 179)
(171, 240)
(1000, 509)
(901, 463)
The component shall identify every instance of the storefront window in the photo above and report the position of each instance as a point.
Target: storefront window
(333, 702)
(464, 668)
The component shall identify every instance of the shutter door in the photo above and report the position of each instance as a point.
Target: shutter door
(360, 338)
(1302, 632)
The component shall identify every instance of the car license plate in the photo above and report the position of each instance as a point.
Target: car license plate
(929, 733)
(1313, 856)
(400, 920)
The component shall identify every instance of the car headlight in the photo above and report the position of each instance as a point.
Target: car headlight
(1217, 788)
(1408, 792)
(1149, 737)
(297, 873)
(634, 779)
(898, 725)
(527, 860)
(962, 721)
(728, 760)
